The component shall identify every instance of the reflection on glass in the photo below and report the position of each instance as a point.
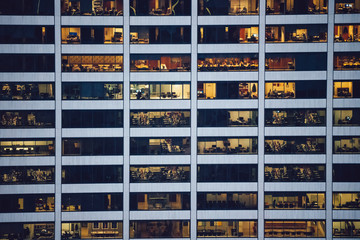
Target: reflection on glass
(227, 90)
(160, 173)
(294, 145)
(226, 229)
(296, 33)
(294, 117)
(346, 145)
(227, 145)
(27, 91)
(159, 201)
(91, 35)
(228, 34)
(226, 201)
(92, 230)
(296, 7)
(346, 201)
(346, 228)
(92, 91)
(295, 173)
(295, 229)
(92, 7)
(27, 147)
(27, 119)
(160, 119)
(160, 229)
(344, 7)
(347, 61)
(294, 200)
(227, 62)
(74, 202)
(27, 203)
(346, 117)
(88, 63)
(228, 7)
(226, 118)
(160, 8)
(26, 175)
(27, 231)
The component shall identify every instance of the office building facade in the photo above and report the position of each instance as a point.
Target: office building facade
(133, 119)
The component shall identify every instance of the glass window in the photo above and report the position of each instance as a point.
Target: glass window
(227, 145)
(160, 146)
(295, 173)
(346, 228)
(91, 202)
(227, 118)
(92, 230)
(28, 7)
(160, 229)
(160, 8)
(295, 33)
(27, 203)
(226, 201)
(294, 117)
(294, 145)
(89, 63)
(295, 61)
(226, 229)
(227, 173)
(298, 89)
(346, 117)
(92, 91)
(170, 173)
(347, 6)
(294, 200)
(163, 91)
(92, 174)
(27, 230)
(227, 90)
(27, 91)
(346, 33)
(92, 7)
(346, 201)
(27, 62)
(92, 118)
(159, 63)
(29, 34)
(346, 145)
(227, 62)
(27, 147)
(159, 201)
(347, 61)
(228, 34)
(160, 118)
(160, 35)
(295, 229)
(27, 175)
(346, 89)
(27, 119)
(228, 7)
(91, 35)
(296, 7)
(92, 146)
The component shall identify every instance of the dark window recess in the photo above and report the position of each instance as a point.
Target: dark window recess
(228, 7)
(92, 174)
(91, 202)
(346, 172)
(92, 146)
(160, 35)
(227, 118)
(27, 63)
(227, 173)
(27, 203)
(159, 201)
(160, 8)
(226, 201)
(26, 34)
(296, 62)
(160, 146)
(92, 118)
(27, 7)
(92, 91)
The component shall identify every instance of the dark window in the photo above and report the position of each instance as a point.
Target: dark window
(26, 34)
(171, 173)
(91, 202)
(160, 229)
(27, 63)
(160, 35)
(228, 7)
(226, 201)
(294, 173)
(92, 118)
(92, 91)
(296, 61)
(27, 230)
(92, 146)
(92, 8)
(27, 7)
(296, 7)
(227, 173)
(160, 8)
(92, 174)
(159, 201)
(296, 33)
(228, 34)
(27, 175)
(346, 172)
(159, 146)
(27, 203)
(227, 90)
(227, 118)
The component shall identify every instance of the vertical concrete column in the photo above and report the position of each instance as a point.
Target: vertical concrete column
(58, 124)
(261, 118)
(193, 133)
(126, 88)
(329, 117)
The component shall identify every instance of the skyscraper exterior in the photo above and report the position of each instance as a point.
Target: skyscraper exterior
(180, 119)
